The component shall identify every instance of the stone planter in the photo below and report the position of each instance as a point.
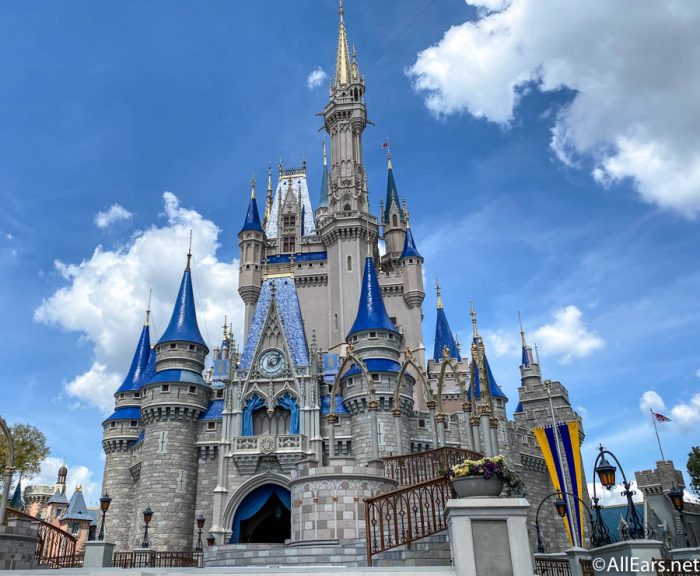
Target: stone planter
(475, 486)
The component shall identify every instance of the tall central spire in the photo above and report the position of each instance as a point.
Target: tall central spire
(342, 61)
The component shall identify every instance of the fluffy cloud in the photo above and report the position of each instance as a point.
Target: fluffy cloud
(567, 337)
(651, 400)
(78, 475)
(614, 496)
(635, 108)
(105, 295)
(316, 77)
(115, 213)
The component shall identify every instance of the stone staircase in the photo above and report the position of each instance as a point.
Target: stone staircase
(431, 551)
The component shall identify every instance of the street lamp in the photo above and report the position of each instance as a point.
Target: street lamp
(147, 515)
(560, 506)
(200, 524)
(211, 540)
(606, 474)
(105, 501)
(676, 496)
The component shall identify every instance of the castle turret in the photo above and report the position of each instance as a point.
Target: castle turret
(412, 272)
(172, 401)
(251, 243)
(120, 432)
(393, 219)
(346, 227)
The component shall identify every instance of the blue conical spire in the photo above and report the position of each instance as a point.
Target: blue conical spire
(409, 246)
(138, 371)
(392, 195)
(371, 313)
(252, 217)
(183, 323)
(323, 195)
(443, 334)
(17, 503)
(527, 359)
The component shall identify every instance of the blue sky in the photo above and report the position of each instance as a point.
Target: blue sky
(542, 177)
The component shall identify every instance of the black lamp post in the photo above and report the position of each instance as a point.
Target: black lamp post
(200, 524)
(147, 515)
(560, 506)
(676, 496)
(211, 540)
(606, 474)
(105, 501)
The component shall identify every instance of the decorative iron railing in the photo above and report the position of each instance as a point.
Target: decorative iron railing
(552, 567)
(405, 515)
(153, 559)
(55, 548)
(587, 567)
(418, 467)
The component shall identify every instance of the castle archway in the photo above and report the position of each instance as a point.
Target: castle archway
(263, 516)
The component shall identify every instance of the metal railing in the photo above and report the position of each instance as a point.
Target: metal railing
(55, 548)
(587, 567)
(405, 515)
(418, 467)
(153, 559)
(552, 567)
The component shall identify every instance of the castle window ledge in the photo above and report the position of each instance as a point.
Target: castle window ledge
(267, 444)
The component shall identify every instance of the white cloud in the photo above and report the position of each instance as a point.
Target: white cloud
(651, 400)
(316, 77)
(614, 496)
(502, 342)
(115, 213)
(697, 373)
(567, 337)
(635, 107)
(78, 475)
(105, 296)
(687, 414)
(9, 236)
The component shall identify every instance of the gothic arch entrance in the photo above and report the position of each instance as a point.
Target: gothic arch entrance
(263, 516)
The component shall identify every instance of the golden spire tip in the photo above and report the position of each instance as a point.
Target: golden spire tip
(473, 315)
(252, 188)
(148, 308)
(439, 295)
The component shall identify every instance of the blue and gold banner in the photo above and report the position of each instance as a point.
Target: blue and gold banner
(546, 438)
(571, 447)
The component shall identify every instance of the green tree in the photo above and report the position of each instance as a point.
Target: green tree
(694, 468)
(30, 449)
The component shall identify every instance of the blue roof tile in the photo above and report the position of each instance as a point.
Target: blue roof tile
(374, 365)
(77, 509)
(519, 408)
(339, 406)
(140, 438)
(392, 196)
(127, 413)
(175, 375)
(290, 314)
(252, 217)
(409, 246)
(494, 388)
(214, 411)
(139, 364)
(183, 323)
(444, 337)
(371, 313)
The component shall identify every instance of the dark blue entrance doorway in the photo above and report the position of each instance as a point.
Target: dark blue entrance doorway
(264, 516)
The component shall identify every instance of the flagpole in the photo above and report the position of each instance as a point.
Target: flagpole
(653, 419)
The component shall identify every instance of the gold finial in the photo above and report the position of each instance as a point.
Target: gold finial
(148, 308)
(473, 315)
(79, 488)
(252, 188)
(439, 295)
(340, 9)
(325, 161)
(522, 332)
(189, 253)
(281, 168)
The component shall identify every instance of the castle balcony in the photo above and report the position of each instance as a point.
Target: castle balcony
(248, 451)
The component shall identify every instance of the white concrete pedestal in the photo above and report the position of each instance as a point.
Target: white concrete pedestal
(684, 553)
(488, 536)
(626, 558)
(98, 554)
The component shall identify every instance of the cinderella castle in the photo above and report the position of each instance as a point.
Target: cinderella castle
(332, 398)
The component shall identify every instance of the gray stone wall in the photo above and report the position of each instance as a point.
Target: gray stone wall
(118, 482)
(206, 482)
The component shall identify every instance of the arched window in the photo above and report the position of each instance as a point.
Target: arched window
(347, 208)
(349, 263)
(394, 220)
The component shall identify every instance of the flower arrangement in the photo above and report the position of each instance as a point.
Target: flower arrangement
(494, 467)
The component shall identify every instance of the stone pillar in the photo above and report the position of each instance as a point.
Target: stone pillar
(493, 430)
(98, 554)
(433, 423)
(373, 406)
(476, 440)
(18, 540)
(488, 536)
(397, 430)
(440, 423)
(484, 428)
(331, 419)
(627, 558)
(575, 555)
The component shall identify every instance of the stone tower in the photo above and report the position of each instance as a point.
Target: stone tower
(251, 243)
(347, 227)
(172, 401)
(120, 431)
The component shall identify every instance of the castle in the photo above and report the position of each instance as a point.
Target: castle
(282, 440)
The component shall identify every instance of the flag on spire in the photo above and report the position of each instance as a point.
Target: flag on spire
(660, 417)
